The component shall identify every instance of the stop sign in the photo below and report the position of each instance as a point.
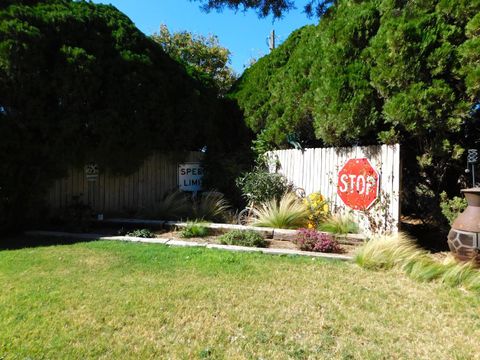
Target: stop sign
(358, 184)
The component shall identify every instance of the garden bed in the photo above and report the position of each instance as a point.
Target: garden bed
(172, 231)
(220, 228)
(348, 249)
(275, 238)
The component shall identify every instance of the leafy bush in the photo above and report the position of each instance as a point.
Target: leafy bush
(339, 225)
(194, 229)
(141, 233)
(243, 238)
(318, 209)
(287, 213)
(260, 186)
(400, 252)
(451, 208)
(312, 240)
(211, 205)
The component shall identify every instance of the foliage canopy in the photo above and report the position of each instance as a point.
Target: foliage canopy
(203, 54)
(80, 83)
(277, 8)
(375, 71)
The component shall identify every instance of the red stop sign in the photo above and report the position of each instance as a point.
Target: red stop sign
(358, 184)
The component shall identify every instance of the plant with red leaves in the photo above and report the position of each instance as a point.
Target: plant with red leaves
(312, 240)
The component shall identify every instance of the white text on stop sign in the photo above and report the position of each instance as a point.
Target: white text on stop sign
(360, 183)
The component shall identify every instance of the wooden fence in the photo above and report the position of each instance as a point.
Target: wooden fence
(107, 193)
(317, 170)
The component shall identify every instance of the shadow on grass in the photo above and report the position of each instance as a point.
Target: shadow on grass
(20, 241)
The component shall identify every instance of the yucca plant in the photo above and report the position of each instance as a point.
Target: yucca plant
(174, 205)
(339, 224)
(286, 213)
(211, 206)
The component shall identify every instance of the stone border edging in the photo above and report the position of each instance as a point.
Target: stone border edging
(173, 242)
(270, 233)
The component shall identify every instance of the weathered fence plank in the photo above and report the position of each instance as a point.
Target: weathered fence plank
(119, 194)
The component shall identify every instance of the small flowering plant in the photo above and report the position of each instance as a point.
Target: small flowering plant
(312, 240)
(318, 209)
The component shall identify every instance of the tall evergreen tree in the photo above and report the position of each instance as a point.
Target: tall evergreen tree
(377, 71)
(277, 8)
(79, 83)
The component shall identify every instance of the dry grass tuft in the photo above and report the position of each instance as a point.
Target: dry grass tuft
(339, 224)
(400, 252)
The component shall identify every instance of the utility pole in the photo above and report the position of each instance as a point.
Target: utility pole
(271, 40)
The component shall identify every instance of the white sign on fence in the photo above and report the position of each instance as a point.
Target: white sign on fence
(317, 170)
(190, 176)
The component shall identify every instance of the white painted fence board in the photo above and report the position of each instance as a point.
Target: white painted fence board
(317, 170)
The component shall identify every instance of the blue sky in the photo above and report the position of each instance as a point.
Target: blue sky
(244, 34)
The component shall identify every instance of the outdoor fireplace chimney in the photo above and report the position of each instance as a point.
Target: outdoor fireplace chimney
(464, 237)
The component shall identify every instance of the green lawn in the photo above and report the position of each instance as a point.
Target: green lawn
(122, 300)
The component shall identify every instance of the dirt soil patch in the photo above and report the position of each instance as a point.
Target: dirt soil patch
(174, 234)
(271, 243)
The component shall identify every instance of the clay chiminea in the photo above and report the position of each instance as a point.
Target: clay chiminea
(464, 237)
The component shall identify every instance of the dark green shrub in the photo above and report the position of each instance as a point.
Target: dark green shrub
(260, 186)
(194, 229)
(243, 238)
(451, 208)
(142, 233)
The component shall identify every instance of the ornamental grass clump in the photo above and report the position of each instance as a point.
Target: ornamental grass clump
(339, 224)
(287, 213)
(174, 205)
(387, 252)
(400, 252)
(212, 206)
(312, 240)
